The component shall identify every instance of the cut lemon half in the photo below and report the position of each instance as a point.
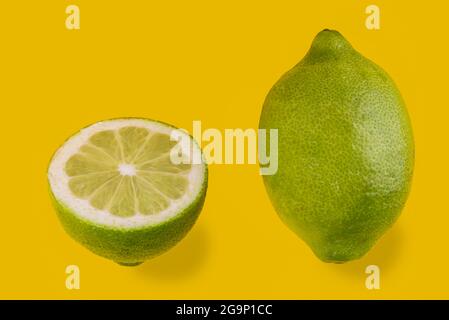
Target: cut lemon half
(119, 192)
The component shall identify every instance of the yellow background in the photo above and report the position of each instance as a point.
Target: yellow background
(213, 61)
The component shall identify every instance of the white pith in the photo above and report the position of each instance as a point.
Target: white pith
(59, 180)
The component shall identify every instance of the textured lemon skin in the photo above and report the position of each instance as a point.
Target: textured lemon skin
(130, 246)
(346, 150)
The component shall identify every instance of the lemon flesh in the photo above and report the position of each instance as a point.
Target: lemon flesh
(127, 172)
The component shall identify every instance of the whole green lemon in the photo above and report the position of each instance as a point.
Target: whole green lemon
(345, 150)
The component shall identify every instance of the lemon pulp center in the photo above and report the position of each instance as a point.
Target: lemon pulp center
(127, 169)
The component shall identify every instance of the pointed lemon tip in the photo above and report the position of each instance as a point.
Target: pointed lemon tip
(331, 39)
(328, 44)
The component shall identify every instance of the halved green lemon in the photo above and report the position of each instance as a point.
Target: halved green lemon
(119, 192)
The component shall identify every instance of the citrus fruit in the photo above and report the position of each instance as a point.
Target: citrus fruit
(346, 150)
(117, 191)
